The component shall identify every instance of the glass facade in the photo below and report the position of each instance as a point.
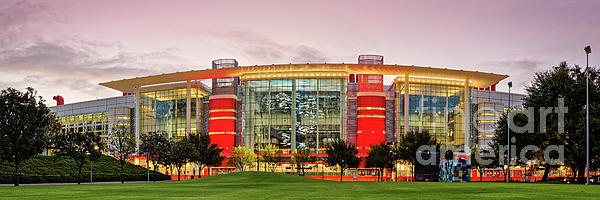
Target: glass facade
(97, 116)
(486, 109)
(164, 111)
(438, 109)
(294, 113)
(94, 122)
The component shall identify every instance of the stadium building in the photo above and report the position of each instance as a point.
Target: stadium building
(298, 106)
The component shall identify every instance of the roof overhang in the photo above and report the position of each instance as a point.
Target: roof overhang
(476, 79)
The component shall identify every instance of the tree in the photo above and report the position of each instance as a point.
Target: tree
(520, 141)
(483, 154)
(179, 154)
(301, 158)
(568, 83)
(25, 125)
(381, 156)
(203, 153)
(152, 145)
(241, 158)
(121, 146)
(79, 146)
(271, 156)
(343, 155)
(164, 154)
(407, 147)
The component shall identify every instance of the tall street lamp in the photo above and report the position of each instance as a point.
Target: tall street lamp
(588, 50)
(508, 139)
(91, 165)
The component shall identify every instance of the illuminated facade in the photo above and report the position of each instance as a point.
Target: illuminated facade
(313, 119)
(98, 116)
(299, 106)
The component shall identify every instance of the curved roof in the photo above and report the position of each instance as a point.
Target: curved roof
(477, 79)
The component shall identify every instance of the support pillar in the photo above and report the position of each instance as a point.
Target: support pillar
(188, 109)
(137, 118)
(406, 102)
(466, 126)
(294, 117)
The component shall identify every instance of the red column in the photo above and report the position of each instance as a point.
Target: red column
(370, 112)
(221, 127)
(371, 122)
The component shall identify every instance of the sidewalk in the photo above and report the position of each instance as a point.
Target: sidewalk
(83, 183)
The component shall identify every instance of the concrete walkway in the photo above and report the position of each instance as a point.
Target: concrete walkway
(83, 183)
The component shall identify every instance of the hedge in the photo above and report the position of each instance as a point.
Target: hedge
(55, 169)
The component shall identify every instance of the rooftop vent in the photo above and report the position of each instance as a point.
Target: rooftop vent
(224, 63)
(370, 59)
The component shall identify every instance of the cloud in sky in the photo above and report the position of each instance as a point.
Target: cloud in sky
(521, 71)
(68, 47)
(71, 65)
(256, 46)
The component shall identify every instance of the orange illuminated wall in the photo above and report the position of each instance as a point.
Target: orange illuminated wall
(370, 112)
(222, 110)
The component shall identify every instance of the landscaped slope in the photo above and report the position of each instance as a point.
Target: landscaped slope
(53, 169)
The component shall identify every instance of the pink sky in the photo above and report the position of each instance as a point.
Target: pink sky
(68, 47)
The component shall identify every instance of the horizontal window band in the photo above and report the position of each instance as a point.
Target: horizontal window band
(370, 108)
(215, 118)
(222, 110)
(214, 133)
(119, 124)
(370, 116)
(124, 118)
(368, 132)
(492, 114)
(486, 136)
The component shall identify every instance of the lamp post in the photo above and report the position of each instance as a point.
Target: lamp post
(508, 138)
(91, 173)
(91, 165)
(588, 50)
(148, 165)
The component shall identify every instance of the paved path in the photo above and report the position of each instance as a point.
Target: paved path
(116, 182)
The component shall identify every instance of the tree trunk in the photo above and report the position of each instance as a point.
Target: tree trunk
(200, 168)
(122, 170)
(396, 169)
(413, 172)
(581, 174)
(154, 169)
(17, 173)
(178, 173)
(341, 173)
(80, 165)
(481, 172)
(546, 172)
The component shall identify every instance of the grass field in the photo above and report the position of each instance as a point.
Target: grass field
(261, 185)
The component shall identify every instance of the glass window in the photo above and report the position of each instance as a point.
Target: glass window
(293, 113)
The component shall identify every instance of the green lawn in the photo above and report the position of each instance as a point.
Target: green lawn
(260, 185)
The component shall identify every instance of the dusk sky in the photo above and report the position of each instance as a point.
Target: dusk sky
(68, 47)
